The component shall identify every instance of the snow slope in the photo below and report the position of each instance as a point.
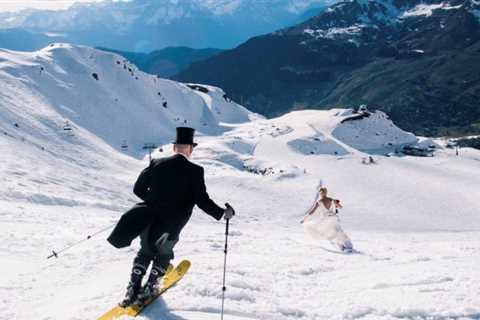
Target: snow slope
(58, 84)
(414, 221)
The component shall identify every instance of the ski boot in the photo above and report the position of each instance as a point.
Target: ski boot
(152, 288)
(134, 285)
(346, 247)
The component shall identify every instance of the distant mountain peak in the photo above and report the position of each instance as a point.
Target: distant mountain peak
(142, 25)
(364, 21)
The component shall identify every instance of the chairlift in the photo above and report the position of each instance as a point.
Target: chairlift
(124, 145)
(149, 146)
(67, 127)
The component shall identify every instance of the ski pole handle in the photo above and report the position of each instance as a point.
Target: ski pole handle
(229, 212)
(228, 206)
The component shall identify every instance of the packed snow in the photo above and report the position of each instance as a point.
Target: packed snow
(414, 222)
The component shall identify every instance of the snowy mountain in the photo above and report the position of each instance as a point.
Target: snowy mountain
(144, 25)
(104, 94)
(417, 61)
(362, 22)
(413, 221)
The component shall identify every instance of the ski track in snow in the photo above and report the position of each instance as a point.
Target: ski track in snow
(414, 222)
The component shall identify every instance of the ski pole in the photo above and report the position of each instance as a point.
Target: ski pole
(56, 253)
(224, 288)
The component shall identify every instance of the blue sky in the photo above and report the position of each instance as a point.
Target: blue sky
(15, 5)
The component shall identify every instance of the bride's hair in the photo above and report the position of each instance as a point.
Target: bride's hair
(323, 190)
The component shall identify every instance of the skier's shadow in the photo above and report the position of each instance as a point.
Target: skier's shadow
(158, 310)
(342, 253)
(354, 252)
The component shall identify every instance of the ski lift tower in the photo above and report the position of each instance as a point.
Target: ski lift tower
(149, 147)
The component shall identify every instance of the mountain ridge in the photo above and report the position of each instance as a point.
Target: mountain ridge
(422, 57)
(144, 26)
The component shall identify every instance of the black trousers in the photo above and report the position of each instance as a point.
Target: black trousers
(159, 250)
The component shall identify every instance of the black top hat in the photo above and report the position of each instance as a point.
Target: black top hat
(185, 136)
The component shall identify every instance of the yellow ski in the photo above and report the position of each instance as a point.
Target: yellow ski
(171, 277)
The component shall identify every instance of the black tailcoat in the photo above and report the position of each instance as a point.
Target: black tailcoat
(170, 188)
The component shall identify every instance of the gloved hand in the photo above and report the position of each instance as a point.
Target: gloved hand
(229, 212)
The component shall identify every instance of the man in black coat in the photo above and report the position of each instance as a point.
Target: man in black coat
(170, 188)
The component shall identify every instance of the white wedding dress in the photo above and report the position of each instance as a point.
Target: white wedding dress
(324, 224)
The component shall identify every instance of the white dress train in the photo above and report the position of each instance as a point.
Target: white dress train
(324, 224)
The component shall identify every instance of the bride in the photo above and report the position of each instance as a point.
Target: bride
(322, 222)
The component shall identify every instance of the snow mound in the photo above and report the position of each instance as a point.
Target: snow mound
(372, 133)
(341, 132)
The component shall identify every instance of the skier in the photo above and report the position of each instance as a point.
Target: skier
(170, 187)
(325, 223)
